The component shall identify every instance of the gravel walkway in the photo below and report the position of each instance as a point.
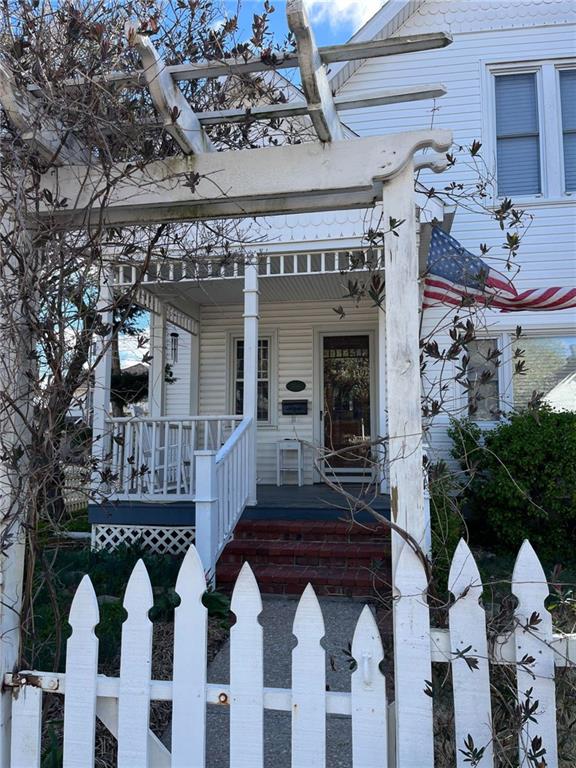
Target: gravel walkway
(340, 616)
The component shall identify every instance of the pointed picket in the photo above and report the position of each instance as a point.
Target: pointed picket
(246, 675)
(81, 674)
(369, 706)
(534, 655)
(470, 667)
(412, 664)
(189, 675)
(135, 665)
(25, 741)
(308, 685)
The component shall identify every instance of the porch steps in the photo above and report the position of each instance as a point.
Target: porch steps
(336, 557)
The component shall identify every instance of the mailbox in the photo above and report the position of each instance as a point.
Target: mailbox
(294, 407)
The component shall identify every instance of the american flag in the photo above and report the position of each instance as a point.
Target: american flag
(455, 276)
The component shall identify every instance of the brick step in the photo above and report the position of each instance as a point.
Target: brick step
(341, 554)
(310, 530)
(292, 579)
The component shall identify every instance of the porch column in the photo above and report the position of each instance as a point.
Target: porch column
(402, 376)
(250, 403)
(157, 372)
(102, 378)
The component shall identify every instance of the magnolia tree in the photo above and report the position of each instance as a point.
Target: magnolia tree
(58, 314)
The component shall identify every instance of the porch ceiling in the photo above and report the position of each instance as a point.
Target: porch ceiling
(273, 289)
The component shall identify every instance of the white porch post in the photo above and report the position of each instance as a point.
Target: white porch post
(101, 388)
(157, 371)
(250, 404)
(402, 375)
(206, 507)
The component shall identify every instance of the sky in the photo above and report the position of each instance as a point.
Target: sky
(333, 21)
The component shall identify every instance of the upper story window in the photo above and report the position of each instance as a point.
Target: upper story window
(534, 129)
(568, 102)
(517, 135)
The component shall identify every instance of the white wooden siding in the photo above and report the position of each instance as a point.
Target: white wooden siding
(177, 394)
(293, 325)
(484, 33)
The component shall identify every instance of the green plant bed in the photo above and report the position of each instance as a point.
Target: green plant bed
(521, 481)
(109, 572)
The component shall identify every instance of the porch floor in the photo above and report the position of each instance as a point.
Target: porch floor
(287, 502)
(312, 502)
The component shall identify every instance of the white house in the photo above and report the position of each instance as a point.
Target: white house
(510, 76)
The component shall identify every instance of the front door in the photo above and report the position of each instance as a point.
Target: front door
(346, 408)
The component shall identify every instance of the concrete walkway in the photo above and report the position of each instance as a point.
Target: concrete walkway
(340, 616)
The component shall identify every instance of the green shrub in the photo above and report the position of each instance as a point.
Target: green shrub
(522, 480)
(447, 524)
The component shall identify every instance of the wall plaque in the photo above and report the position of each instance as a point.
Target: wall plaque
(296, 386)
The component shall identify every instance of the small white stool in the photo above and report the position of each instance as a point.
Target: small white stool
(284, 447)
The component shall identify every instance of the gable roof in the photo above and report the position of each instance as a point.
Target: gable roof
(382, 25)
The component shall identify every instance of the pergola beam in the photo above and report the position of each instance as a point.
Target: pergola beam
(307, 177)
(342, 103)
(329, 54)
(179, 118)
(54, 143)
(314, 76)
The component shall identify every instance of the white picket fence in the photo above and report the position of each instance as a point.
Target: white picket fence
(378, 741)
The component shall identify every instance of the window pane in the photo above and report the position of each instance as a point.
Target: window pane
(519, 166)
(239, 398)
(262, 410)
(240, 359)
(568, 100)
(550, 368)
(517, 132)
(483, 395)
(516, 104)
(263, 359)
(570, 161)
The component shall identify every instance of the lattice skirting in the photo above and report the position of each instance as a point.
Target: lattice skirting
(155, 538)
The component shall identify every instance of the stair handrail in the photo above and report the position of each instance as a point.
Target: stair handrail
(222, 487)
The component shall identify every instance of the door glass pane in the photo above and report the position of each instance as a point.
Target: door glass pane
(347, 399)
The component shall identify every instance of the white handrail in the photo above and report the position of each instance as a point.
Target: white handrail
(223, 484)
(232, 440)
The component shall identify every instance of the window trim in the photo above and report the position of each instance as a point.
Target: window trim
(271, 336)
(549, 120)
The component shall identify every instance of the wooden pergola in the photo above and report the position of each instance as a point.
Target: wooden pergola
(331, 173)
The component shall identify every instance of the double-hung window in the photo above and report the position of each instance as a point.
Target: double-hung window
(264, 359)
(534, 129)
(517, 135)
(568, 105)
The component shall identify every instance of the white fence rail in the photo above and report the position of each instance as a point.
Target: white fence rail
(404, 741)
(222, 488)
(153, 458)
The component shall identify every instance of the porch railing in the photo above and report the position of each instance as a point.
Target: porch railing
(269, 265)
(223, 481)
(152, 458)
